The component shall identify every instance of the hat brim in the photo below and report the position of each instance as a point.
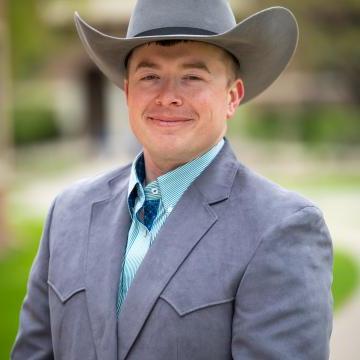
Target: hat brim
(263, 43)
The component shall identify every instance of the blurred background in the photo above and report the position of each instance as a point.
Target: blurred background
(61, 120)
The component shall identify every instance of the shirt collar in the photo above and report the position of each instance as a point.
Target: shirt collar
(170, 186)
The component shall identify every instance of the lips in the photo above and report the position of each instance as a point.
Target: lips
(168, 120)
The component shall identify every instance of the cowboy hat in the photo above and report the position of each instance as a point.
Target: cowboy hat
(262, 43)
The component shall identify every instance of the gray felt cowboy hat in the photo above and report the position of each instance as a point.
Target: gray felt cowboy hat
(263, 43)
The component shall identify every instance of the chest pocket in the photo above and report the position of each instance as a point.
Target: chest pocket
(189, 292)
(202, 317)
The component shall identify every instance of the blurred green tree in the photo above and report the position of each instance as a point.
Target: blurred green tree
(5, 126)
(29, 36)
(32, 44)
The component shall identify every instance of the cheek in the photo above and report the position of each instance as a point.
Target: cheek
(213, 104)
(137, 94)
(134, 112)
(137, 103)
(201, 100)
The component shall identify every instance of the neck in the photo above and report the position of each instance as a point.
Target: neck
(154, 169)
(160, 166)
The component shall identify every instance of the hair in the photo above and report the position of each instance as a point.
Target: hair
(229, 58)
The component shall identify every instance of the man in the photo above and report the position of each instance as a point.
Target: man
(186, 253)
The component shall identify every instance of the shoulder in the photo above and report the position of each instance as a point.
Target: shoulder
(94, 188)
(267, 201)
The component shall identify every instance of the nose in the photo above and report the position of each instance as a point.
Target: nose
(169, 94)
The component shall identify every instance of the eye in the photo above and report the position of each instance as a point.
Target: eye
(192, 77)
(149, 77)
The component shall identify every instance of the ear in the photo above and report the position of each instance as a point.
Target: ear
(126, 89)
(236, 93)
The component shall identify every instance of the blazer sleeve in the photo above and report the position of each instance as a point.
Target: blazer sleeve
(283, 306)
(33, 340)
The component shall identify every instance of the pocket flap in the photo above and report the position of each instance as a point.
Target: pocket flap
(64, 296)
(187, 304)
(66, 276)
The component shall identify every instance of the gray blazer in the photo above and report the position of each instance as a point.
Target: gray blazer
(242, 269)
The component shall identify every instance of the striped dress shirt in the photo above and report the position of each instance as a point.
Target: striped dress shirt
(163, 193)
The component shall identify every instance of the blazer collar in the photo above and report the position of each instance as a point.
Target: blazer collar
(216, 181)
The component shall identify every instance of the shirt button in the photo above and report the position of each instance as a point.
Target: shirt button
(169, 209)
(155, 191)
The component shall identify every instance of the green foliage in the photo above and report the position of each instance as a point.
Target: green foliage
(330, 124)
(29, 37)
(311, 124)
(14, 270)
(33, 39)
(346, 277)
(33, 123)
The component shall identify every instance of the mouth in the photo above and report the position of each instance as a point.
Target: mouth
(169, 121)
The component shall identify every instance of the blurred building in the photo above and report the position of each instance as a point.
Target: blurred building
(85, 101)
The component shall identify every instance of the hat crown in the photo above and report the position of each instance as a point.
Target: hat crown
(214, 16)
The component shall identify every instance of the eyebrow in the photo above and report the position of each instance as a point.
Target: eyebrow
(146, 64)
(190, 65)
(196, 65)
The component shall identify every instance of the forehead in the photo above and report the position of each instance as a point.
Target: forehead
(178, 52)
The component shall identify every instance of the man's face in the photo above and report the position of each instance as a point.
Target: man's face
(179, 99)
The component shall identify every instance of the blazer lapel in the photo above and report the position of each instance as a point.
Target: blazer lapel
(108, 232)
(179, 235)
